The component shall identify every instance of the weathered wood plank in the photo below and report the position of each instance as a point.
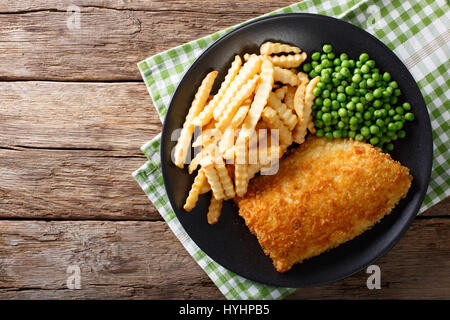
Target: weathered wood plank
(144, 260)
(116, 117)
(36, 43)
(71, 184)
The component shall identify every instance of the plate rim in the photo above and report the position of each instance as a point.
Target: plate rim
(360, 266)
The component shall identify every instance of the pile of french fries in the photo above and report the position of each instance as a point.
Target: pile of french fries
(262, 92)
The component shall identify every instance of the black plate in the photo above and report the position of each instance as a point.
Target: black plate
(229, 242)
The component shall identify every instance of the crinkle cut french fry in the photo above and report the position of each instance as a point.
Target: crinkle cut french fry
(300, 130)
(205, 188)
(213, 178)
(225, 179)
(286, 115)
(271, 118)
(285, 76)
(206, 115)
(248, 70)
(303, 76)
(227, 140)
(240, 168)
(269, 48)
(259, 101)
(240, 115)
(192, 198)
(281, 92)
(184, 141)
(289, 97)
(244, 92)
(214, 210)
(289, 61)
(299, 99)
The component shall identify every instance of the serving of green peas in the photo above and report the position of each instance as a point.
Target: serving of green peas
(354, 99)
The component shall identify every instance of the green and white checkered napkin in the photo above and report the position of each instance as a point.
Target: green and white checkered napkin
(419, 33)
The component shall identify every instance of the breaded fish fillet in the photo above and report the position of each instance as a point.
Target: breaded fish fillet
(324, 194)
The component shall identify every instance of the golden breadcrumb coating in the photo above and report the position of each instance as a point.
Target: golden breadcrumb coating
(324, 194)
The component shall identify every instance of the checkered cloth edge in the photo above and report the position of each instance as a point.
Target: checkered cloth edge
(417, 31)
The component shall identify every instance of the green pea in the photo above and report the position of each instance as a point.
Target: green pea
(367, 115)
(315, 56)
(374, 140)
(380, 123)
(365, 69)
(320, 133)
(318, 68)
(327, 48)
(386, 76)
(356, 78)
(307, 67)
(323, 56)
(365, 131)
(351, 134)
(340, 89)
(369, 96)
(346, 64)
(374, 129)
(370, 82)
(334, 103)
(331, 55)
(337, 134)
(406, 106)
(341, 97)
(327, 102)
(363, 84)
(377, 103)
(397, 92)
(359, 137)
(325, 109)
(358, 64)
(317, 91)
(326, 118)
(342, 112)
(350, 106)
(399, 125)
(329, 135)
(349, 90)
(314, 64)
(370, 63)
(343, 56)
(363, 57)
(393, 100)
(313, 74)
(337, 62)
(393, 84)
(326, 63)
(359, 107)
(378, 92)
(334, 115)
(409, 116)
(341, 124)
(399, 110)
(391, 126)
(376, 76)
(345, 72)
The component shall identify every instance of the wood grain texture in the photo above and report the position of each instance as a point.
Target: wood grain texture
(144, 260)
(36, 43)
(116, 117)
(71, 184)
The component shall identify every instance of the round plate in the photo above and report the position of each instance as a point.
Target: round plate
(229, 242)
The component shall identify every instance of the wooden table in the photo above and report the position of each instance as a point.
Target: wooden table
(74, 112)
